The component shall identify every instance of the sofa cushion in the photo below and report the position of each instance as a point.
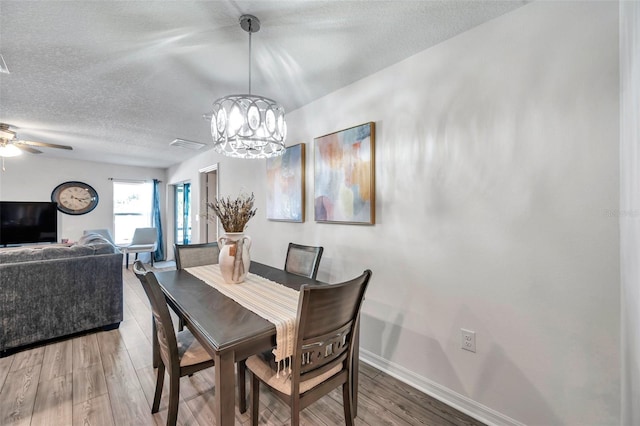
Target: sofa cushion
(20, 255)
(64, 252)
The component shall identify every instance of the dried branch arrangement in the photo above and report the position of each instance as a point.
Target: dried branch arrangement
(233, 214)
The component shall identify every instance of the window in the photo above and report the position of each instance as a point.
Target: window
(132, 207)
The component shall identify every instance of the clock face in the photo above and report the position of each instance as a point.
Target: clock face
(75, 197)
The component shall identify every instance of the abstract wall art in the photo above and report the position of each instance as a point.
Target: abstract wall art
(344, 185)
(285, 185)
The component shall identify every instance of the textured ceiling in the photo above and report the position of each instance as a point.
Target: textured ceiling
(119, 80)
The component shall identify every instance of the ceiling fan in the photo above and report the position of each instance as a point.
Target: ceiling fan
(10, 146)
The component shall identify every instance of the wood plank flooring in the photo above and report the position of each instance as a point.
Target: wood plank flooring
(106, 378)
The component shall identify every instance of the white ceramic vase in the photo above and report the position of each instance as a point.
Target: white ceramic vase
(234, 256)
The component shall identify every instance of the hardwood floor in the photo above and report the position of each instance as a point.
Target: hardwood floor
(106, 378)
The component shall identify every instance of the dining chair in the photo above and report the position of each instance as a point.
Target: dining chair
(327, 321)
(180, 354)
(145, 240)
(189, 255)
(104, 232)
(303, 260)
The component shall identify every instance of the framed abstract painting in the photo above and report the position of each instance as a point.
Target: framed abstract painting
(285, 185)
(344, 187)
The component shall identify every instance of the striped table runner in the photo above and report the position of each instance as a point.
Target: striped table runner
(272, 301)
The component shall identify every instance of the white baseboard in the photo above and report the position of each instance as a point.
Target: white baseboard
(441, 393)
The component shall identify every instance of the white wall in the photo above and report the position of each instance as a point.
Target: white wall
(497, 172)
(33, 178)
(630, 207)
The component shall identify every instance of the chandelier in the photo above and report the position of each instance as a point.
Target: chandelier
(248, 126)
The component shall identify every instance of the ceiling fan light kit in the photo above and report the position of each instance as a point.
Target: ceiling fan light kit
(246, 125)
(9, 150)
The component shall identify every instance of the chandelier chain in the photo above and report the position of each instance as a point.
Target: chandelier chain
(249, 57)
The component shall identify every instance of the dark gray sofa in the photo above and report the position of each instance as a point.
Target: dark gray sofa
(54, 291)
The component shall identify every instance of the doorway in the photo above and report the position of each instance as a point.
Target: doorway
(208, 193)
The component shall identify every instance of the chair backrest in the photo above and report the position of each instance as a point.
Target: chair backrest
(188, 255)
(104, 232)
(327, 317)
(161, 316)
(303, 260)
(145, 236)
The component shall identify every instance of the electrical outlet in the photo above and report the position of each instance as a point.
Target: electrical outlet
(468, 340)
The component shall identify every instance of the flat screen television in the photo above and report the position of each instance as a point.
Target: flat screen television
(27, 222)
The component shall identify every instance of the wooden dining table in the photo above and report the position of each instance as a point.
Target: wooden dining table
(229, 332)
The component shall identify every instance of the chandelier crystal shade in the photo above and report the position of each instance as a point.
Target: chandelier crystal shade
(248, 126)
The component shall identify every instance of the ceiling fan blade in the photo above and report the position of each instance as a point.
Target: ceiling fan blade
(28, 148)
(43, 144)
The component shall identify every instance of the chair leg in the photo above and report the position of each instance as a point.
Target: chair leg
(127, 257)
(174, 398)
(180, 324)
(346, 402)
(255, 399)
(159, 384)
(242, 386)
(152, 256)
(295, 411)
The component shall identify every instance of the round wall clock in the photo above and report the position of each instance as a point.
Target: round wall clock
(75, 197)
